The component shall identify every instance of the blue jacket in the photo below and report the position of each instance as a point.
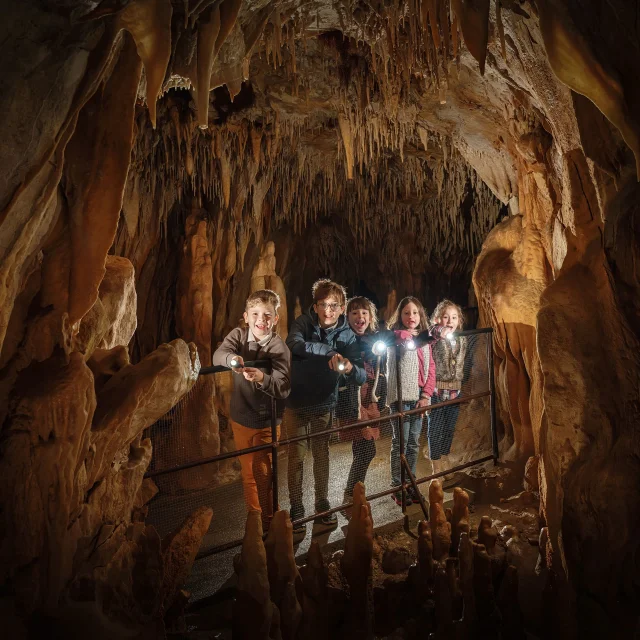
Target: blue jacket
(313, 385)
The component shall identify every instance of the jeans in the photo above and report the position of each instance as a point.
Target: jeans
(411, 430)
(299, 423)
(364, 451)
(442, 427)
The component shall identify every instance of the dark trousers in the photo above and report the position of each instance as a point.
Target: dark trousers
(442, 427)
(364, 451)
(298, 423)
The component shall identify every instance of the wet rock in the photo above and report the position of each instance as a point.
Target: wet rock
(397, 560)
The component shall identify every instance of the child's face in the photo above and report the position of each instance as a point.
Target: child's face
(450, 318)
(261, 319)
(410, 316)
(328, 310)
(359, 320)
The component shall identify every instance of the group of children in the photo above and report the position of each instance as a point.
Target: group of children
(329, 368)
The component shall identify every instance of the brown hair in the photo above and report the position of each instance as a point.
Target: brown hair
(265, 296)
(442, 307)
(324, 288)
(395, 321)
(360, 302)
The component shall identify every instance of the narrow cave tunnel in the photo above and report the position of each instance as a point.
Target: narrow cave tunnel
(165, 159)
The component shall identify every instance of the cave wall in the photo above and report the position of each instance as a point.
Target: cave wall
(535, 104)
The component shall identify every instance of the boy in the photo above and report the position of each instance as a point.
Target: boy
(324, 348)
(252, 392)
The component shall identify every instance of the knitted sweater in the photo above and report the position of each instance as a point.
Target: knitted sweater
(411, 391)
(449, 361)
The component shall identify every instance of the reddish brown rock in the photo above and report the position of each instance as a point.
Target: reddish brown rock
(440, 528)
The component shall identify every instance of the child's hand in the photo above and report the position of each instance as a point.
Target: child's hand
(446, 332)
(424, 402)
(253, 375)
(340, 364)
(237, 364)
(371, 433)
(414, 332)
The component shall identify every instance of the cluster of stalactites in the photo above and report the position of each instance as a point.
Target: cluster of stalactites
(262, 175)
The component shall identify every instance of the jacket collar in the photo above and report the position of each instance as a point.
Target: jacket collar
(342, 320)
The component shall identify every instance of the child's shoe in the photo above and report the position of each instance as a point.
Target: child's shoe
(296, 513)
(397, 498)
(329, 520)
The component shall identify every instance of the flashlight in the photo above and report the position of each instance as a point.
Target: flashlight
(341, 366)
(410, 344)
(451, 337)
(379, 348)
(234, 363)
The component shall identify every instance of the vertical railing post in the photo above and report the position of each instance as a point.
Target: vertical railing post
(492, 398)
(274, 454)
(401, 427)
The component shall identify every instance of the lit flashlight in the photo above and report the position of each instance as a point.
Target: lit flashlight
(379, 348)
(341, 366)
(410, 345)
(451, 337)
(234, 363)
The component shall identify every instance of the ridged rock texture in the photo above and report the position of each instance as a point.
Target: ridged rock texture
(153, 149)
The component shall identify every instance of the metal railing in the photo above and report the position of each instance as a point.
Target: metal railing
(408, 479)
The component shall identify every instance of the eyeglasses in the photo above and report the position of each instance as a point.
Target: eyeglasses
(333, 306)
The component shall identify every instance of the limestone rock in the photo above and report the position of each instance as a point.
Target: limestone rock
(253, 611)
(396, 560)
(440, 528)
(179, 551)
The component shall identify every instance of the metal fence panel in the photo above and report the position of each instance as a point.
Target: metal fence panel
(199, 453)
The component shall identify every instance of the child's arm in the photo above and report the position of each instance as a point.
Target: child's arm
(230, 347)
(358, 374)
(430, 384)
(278, 383)
(302, 348)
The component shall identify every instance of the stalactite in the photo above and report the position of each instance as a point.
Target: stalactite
(208, 30)
(149, 22)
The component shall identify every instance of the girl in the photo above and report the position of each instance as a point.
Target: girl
(418, 377)
(365, 402)
(449, 358)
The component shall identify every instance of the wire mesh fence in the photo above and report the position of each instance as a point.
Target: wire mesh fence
(427, 410)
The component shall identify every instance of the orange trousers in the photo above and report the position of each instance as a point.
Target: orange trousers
(256, 469)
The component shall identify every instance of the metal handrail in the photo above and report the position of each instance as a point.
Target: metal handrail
(401, 414)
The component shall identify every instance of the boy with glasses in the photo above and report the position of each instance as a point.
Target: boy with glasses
(323, 348)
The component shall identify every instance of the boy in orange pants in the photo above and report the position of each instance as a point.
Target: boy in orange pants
(252, 392)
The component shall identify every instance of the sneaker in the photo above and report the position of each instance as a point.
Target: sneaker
(412, 494)
(346, 511)
(296, 513)
(330, 520)
(397, 498)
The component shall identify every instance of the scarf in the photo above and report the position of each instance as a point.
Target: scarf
(422, 376)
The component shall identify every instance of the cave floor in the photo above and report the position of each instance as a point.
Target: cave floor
(215, 572)
(211, 616)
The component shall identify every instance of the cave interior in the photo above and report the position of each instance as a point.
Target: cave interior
(162, 157)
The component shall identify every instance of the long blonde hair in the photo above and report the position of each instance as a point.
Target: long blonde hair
(395, 321)
(360, 302)
(442, 307)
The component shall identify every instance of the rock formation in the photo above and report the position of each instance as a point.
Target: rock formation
(379, 144)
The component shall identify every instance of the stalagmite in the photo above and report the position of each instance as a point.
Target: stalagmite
(264, 276)
(356, 566)
(314, 604)
(487, 534)
(459, 517)
(284, 579)
(440, 528)
(253, 611)
(149, 22)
